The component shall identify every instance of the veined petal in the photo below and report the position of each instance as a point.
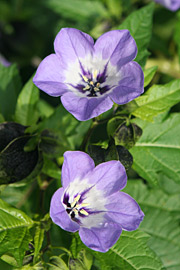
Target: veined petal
(116, 46)
(72, 44)
(84, 108)
(124, 210)
(108, 176)
(76, 165)
(130, 86)
(59, 215)
(49, 76)
(102, 238)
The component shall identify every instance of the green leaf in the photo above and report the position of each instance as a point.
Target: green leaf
(53, 144)
(130, 252)
(44, 108)
(115, 7)
(51, 169)
(168, 185)
(38, 241)
(158, 99)
(157, 153)
(83, 262)
(37, 266)
(78, 10)
(139, 23)
(149, 74)
(57, 263)
(14, 232)
(160, 221)
(69, 129)
(26, 109)
(9, 89)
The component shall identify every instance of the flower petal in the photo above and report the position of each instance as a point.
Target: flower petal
(84, 108)
(101, 239)
(124, 210)
(117, 46)
(109, 177)
(72, 44)
(49, 76)
(76, 165)
(131, 85)
(59, 215)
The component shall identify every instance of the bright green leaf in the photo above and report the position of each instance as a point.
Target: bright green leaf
(157, 152)
(9, 89)
(160, 221)
(14, 232)
(149, 74)
(57, 263)
(37, 266)
(130, 252)
(38, 241)
(158, 99)
(26, 112)
(139, 23)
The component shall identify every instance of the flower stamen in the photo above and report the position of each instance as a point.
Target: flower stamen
(92, 87)
(74, 208)
(84, 212)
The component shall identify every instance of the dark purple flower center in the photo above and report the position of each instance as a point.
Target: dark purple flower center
(76, 208)
(93, 87)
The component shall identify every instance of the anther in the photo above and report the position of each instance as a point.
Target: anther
(87, 87)
(85, 78)
(84, 212)
(96, 89)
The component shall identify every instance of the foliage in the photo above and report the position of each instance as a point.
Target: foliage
(35, 131)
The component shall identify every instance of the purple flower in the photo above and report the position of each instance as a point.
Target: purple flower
(90, 201)
(170, 4)
(89, 76)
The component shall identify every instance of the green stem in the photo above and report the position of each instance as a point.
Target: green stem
(88, 134)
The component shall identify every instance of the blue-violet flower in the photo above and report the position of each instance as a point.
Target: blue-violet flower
(173, 5)
(88, 76)
(90, 201)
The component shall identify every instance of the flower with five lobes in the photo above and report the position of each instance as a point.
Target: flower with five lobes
(90, 201)
(88, 76)
(173, 5)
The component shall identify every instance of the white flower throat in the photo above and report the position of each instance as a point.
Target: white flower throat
(84, 203)
(92, 77)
